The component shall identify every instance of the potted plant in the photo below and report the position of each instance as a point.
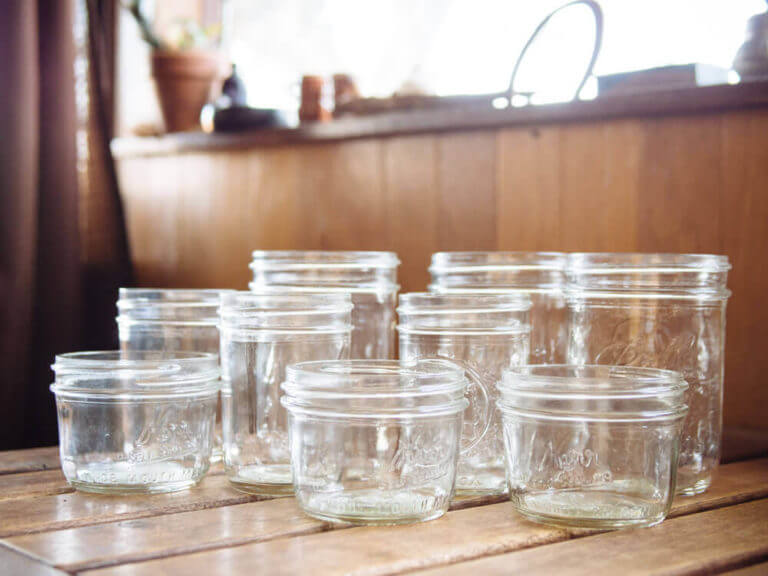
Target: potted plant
(184, 67)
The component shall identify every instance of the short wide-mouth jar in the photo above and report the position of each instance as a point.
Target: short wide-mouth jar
(374, 441)
(592, 446)
(135, 421)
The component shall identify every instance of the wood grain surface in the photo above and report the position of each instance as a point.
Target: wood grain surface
(13, 461)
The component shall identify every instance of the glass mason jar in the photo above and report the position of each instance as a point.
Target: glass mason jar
(663, 311)
(485, 333)
(540, 275)
(370, 277)
(135, 422)
(261, 334)
(375, 441)
(592, 446)
(171, 320)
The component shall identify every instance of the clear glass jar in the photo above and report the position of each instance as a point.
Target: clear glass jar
(486, 333)
(171, 320)
(135, 422)
(540, 275)
(375, 441)
(592, 446)
(663, 311)
(370, 277)
(261, 334)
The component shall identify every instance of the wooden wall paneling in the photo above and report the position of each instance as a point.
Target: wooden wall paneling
(599, 178)
(678, 205)
(273, 211)
(412, 196)
(153, 212)
(743, 206)
(528, 189)
(352, 200)
(466, 174)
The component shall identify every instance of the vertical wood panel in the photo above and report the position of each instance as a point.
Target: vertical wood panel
(529, 189)
(466, 173)
(599, 177)
(744, 214)
(678, 207)
(411, 188)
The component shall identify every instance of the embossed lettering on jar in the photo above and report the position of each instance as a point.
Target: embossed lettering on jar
(539, 275)
(486, 333)
(375, 442)
(261, 334)
(370, 277)
(665, 311)
(135, 421)
(592, 446)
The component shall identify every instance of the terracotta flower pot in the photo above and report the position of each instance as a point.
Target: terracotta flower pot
(184, 80)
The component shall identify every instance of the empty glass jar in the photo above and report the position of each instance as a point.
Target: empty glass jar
(540, 275)
(485, 333)
(170, 320)
(592, 446)
(663, 311)
(370, 277)
(135, 421)
(375, 442)
(261, 334)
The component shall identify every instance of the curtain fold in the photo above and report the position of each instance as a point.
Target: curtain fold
(47, 286)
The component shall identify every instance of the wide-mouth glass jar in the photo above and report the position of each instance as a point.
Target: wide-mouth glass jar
(485, 333)
(663, 311)
(370, 277)
(539, 275)
(375, 441)
(171, 320)
(592, 446)
(135, 421)
(261, 334)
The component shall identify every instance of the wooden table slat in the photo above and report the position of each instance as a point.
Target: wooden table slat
(704, 543)
(14, 461)
(27, 516)
(13, 563)
(459, 536)
(33, 484)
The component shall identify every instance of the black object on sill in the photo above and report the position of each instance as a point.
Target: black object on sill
(243, 119)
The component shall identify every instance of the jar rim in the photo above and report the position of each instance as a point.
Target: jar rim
(456, 302)
(171, 296)
(274, 303)
(619, 262)
(496, 260)
(590, 381)
(319, 259)
(135, 373)
(360, 377)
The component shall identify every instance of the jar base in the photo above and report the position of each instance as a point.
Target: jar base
(698, 487)
(374, 507)
(128, 489)
(590, 509)
(262, 479)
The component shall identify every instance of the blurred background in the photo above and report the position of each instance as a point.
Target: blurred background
(157, 143)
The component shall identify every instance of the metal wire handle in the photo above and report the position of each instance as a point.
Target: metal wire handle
(597, 12)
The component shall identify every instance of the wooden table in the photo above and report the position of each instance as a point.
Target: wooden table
(48, 528)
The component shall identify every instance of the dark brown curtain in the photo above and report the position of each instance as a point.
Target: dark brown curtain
(44, 276)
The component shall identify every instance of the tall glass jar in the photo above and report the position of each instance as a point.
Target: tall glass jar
(370, 277)
(485, 333)
(261, 334)
(171, 320)
(540, 275)
(662, 311)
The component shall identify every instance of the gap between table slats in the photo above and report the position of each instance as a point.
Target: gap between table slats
(263, 530)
